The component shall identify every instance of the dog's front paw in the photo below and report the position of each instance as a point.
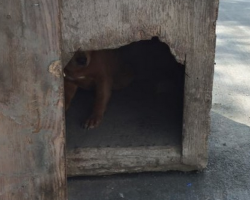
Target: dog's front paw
(93, 121)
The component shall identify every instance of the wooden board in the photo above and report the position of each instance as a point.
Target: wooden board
(106, 161)
(199, 82)
(32, 159)
(112, 23)
(188, 27)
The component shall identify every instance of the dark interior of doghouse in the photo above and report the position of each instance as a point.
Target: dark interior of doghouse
(146, 113)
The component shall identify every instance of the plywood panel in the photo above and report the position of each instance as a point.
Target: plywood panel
(198, 83)
(32, 162)
(188, 27)
(110, 23)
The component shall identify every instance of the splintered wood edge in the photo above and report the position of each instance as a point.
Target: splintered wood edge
(106, 161)
(55, 68)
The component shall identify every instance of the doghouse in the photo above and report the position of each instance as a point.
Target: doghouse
(37, 40)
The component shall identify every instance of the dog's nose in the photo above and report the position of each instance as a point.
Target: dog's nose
(66, 72)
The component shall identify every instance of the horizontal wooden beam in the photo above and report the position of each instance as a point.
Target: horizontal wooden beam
(32, 156)
(106, 161)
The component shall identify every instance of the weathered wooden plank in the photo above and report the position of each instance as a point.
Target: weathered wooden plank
(198, 83)
(32, 161)
(106, 161)
(112, 23)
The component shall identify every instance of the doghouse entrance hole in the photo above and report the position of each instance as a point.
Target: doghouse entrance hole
(146, 113)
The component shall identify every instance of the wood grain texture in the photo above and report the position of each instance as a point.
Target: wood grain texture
(199, 83)
(110, 23)
(188, 27)
(106, 161)
(32, 160)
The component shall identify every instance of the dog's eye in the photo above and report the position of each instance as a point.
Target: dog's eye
(81, 60)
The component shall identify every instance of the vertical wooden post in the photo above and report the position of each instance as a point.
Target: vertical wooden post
(199, 82)
(32, 157)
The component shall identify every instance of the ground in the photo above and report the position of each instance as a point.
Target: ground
(227, 176)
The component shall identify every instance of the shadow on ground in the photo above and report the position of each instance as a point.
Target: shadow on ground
(226, 177)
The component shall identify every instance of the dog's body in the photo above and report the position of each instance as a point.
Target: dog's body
(99, 70)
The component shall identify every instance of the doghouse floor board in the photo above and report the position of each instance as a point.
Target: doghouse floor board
(134, 118)
(141, 131)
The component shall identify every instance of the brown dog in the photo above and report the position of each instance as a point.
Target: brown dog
(99, 70)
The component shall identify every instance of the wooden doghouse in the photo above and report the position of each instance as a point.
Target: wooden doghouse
(34, 35)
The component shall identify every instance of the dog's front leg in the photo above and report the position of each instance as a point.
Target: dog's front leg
(103, 93)
(69, 92)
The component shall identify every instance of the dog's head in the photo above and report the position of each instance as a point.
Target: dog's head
(76, 67)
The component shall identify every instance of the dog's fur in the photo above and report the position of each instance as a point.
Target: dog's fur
(99, 70)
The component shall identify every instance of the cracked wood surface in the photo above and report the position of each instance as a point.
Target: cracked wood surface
(32, 161)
